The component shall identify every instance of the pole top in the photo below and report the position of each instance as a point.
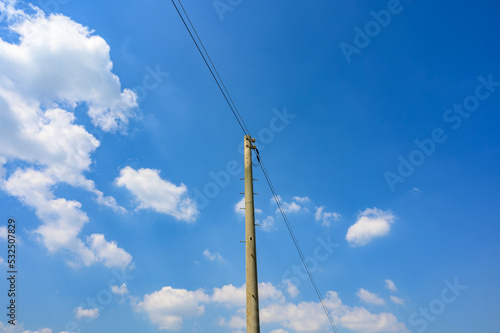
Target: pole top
(248, 137)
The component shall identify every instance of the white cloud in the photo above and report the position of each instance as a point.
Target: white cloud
(292, 207)
(168, 307)
(361, 320)
(86, 313)
(390, 285)
(239, 208)
(56, 65)
(304, 316)
(325, 217)
(120, 290)
(3, 232)
(397, 300)
(270, 293)
(267, 224)
(212, 256)
(371, 223)
(369, 298)
(61, 61)
(291, 288)
(153, 192)
(301, 199)
(230, 295)
(62, 221)
(236, 296)
(288, 207)
(237, 322)
(280, 330)
(8, 328)
(108, 253)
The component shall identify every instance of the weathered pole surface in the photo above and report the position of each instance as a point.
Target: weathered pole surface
(253, 325)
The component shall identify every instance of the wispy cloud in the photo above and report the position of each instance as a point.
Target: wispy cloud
(212, 256)
(369, 298)
(397, 300)
(390, 285)
(326, 218)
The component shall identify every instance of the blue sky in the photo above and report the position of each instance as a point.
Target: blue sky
(121, 162)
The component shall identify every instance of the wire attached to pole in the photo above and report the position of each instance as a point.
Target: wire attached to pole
(239, 118)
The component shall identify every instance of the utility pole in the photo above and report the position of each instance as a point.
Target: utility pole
(253, 325)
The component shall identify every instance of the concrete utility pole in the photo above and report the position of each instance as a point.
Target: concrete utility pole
(253, 325)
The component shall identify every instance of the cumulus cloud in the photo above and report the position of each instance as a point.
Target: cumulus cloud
(63, 220)
(325, 217)
(120, 290)
(108, 252)
(304, 316)
(369, 298)
(230, 295)
(390, 285)
(361, 320)
(290, 207)
(212, 256)
(371, 223)
(86, 313)
(267, 224)
(239, 208)
(236, 296)
(291, 288)
(168, 307)
(162, 196)
(59, 61)
(56, 65)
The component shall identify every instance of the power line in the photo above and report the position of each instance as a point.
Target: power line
(215, 70)
(224, 91)
(296, 243)
(243, 126)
